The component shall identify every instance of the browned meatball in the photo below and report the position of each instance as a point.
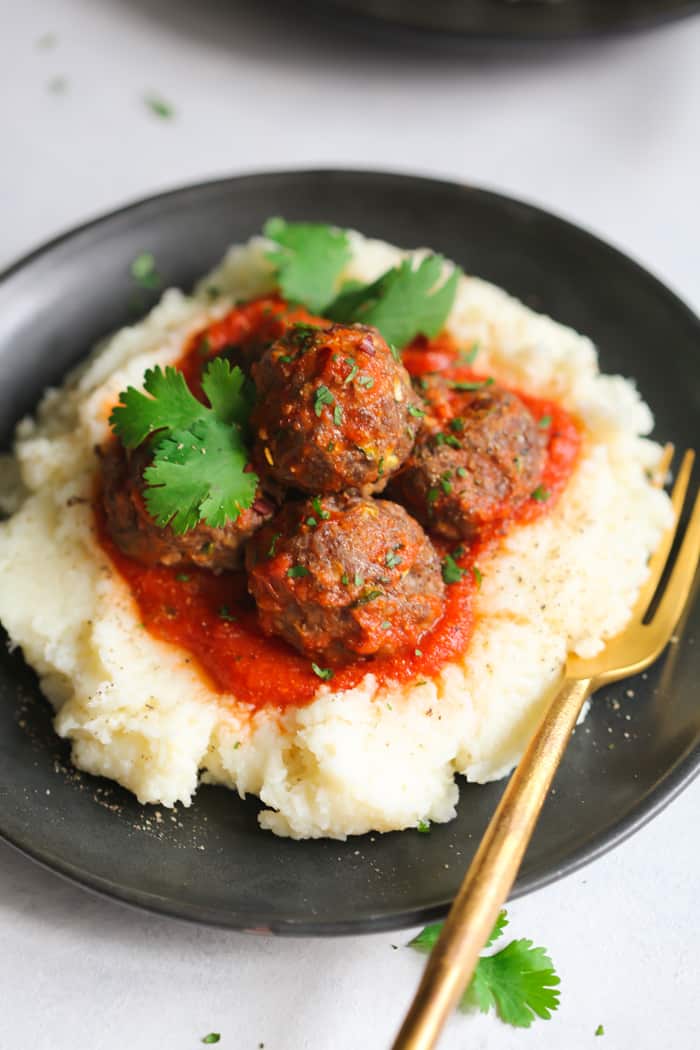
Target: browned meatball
(335, 410)
(342, 577)
(473, 464)
(135, 532)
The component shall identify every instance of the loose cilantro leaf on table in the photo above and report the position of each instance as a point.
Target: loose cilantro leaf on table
(519, 981)
(309, 260)
(404, 302)
(159, 107)
(213, 1037)
(198, 472)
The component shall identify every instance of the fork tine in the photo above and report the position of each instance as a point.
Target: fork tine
(680, 582)
(660, 555)
(664, 464)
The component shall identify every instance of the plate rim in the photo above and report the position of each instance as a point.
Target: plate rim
(415, 32)
(675, 780)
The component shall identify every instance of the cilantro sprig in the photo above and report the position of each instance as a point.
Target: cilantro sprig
(198, 472)
(406, 301)
(309, 259)
(519, 982)
(410, 299)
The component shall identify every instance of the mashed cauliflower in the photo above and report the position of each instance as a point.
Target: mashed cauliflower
(371, 758)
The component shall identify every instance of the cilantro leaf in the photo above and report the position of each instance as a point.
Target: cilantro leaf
(171, 406)
(519, 982)
(159, 107)
(427, 938)
(309, 258)
(498, 927)
(198, 472)
(404, 302)
(230, 394)
(143, 270)
(199, 475)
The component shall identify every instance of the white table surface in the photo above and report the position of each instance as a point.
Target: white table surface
(604, 132)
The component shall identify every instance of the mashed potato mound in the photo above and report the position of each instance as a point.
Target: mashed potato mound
(371, 758)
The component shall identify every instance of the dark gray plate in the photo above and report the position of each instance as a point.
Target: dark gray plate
(516, 19)
(211, 863)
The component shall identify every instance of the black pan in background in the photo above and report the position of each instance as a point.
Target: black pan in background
(516, 19)
(211, 863)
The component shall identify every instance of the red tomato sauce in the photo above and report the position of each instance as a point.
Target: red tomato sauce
(213, 618)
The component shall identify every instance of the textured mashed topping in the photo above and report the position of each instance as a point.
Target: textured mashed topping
(374, 757)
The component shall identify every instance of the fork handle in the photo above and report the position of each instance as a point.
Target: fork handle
(491, 873)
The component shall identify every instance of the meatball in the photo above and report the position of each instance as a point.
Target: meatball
(473, 464)
(335, 410)
(135, 532)
(345, 576)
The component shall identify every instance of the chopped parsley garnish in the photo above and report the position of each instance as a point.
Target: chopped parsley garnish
(457, 425)
(322, 397)
(353, 369)
(545, 422)
(447, 439)
(297, 571)
(433, 495)
(410, 299)
(476, 571)
(337, 415)
(466, 357)
(461, 472)
(159, 107)
(311, 522)
(224, 614)
(366, 381)
(359, 580)
(345, 580)
(199, 467)
(323, 672)
(385, 625)
(392, 559)
(418, 413)
(308, 258)
(368, 596)
(213, 1037)
(423, 826)
(519, 981)
(143, 270)
(451, 571)
(273, 544)
(286, 359)
(541, 494)
(446, 483)
(479, 384)
(318, 508)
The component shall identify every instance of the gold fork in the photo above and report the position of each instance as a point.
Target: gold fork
(495, 866)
